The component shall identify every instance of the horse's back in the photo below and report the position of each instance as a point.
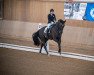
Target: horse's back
(41, 31)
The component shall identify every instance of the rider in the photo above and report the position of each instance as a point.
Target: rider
(51, 20)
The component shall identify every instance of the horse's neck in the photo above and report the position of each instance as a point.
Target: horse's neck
(54, 29)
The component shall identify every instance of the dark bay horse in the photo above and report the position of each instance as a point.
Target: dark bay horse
(55, 34)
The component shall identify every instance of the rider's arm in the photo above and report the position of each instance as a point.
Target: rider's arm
(54, 18)
(49, 18)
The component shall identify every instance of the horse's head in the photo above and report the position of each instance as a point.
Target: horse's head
(59, 26)
(62, 22)
(59, 29)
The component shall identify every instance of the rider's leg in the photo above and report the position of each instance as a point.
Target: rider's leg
(47, 28)
(49, 24)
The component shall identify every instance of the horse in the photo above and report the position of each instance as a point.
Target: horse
(56, 31)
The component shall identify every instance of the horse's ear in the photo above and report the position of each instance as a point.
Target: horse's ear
(61, 21)
(65, 21)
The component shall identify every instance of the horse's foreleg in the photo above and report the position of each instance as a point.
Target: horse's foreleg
(59, 46)
(41, 48)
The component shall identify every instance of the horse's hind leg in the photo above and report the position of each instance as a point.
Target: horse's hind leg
(45, 46)
(41, 48)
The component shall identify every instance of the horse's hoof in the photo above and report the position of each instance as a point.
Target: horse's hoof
(48, 54)
(59, 52)
(39, 52)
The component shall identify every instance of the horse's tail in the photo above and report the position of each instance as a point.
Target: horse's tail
(35, 37)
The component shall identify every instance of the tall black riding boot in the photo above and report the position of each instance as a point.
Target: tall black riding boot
(47, 33)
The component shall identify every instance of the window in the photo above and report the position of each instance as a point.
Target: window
(74, 10)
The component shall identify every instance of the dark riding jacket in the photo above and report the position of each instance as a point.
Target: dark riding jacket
(51, 18)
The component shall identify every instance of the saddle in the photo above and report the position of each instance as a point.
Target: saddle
(48, 31)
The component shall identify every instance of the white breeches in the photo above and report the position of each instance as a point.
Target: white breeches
(48, 26)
